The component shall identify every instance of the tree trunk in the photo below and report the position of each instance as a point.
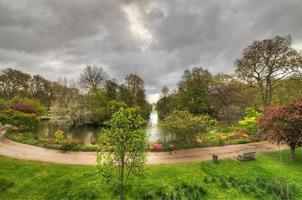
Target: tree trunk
(292, 152)
(122, 188)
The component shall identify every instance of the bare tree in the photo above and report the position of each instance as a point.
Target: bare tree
(264, 63)
(93, 77)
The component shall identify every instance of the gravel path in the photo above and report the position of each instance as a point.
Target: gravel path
(13, 149)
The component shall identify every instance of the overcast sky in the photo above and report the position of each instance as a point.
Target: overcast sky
(156, 39)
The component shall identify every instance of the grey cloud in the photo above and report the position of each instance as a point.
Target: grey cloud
(58, 38)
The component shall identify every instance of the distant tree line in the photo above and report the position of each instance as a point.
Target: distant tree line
(269, 72)
(91, 99)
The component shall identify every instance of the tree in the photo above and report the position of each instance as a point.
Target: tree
(186, 125)
(13, 83)
(289, 91)
(122, 150)
(111, 88)
(264, 63)
(165, 91)
(126, 96)
(231, 97)
(283, 124)
(165, 105)
(93, 77)
(136, 86)
(194, 91)
(41, 89)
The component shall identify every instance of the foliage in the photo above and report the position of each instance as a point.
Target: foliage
(3, 104)
(23, 108)
(186, 125)
(283, 124)
(59, 135)
(231, 97)
(265, 63)
(165, 105)
(194, 91)
(35, 104)
(183, 191)
(249, 123)
(136, 86)
(66, 145)
(123, 145)
(13, 83)
(24, 121)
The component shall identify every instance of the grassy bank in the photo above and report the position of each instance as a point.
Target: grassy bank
(229, 179)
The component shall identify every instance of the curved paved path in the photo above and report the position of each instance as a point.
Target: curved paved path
(13, 149)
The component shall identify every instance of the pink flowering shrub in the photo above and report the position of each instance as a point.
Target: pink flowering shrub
(156, 147)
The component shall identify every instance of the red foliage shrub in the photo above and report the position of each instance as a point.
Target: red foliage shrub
(283, 124)
(23, 108)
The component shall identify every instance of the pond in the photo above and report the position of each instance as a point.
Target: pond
(89, 133)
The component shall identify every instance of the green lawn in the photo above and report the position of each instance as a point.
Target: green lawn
(37, 180)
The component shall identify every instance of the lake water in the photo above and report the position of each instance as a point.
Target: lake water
(89, 134)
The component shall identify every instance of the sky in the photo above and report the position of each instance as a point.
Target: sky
(155, 39)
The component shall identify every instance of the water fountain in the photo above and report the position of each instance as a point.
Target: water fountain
(152, 128)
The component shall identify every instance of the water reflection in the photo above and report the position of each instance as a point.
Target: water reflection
(89, 134)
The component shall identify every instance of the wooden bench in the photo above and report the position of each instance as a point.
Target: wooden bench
(247, 156)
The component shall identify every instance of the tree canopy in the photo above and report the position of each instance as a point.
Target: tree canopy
(264, 63)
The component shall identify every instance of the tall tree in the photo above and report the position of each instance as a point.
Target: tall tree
(93, 77)
(264, 63)
(136, 86)
(41, 89)
(122, 150)
(194, 91)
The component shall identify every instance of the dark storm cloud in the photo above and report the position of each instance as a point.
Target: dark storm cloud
(155, 39)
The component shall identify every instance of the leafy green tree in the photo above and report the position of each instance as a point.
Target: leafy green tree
(165, 105)
(194, 91)
(136, 86)
(265, 63)
(122, 149)
(186, 125)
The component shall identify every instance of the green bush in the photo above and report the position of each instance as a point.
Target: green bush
(24, 121)
(248, 123)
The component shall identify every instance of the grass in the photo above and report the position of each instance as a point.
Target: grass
(21, 179)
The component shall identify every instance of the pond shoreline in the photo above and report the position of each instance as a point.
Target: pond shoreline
(74, 146)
